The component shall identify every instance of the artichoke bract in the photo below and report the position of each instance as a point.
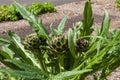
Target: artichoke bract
(32, 41)
(81, 45)
(59, 43)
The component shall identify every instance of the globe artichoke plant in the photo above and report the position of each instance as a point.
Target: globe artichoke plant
(59, 55)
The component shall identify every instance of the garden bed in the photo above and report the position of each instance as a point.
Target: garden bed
(75, 11)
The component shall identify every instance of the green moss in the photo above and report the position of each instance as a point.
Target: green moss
(117, 3)
(9, 13)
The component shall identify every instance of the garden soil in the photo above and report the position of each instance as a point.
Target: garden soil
(75, 11)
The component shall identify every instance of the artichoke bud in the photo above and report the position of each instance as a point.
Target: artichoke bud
(59, 43)
(81, 45)
(32, 41)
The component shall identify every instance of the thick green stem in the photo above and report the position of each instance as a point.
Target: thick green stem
(39, 55)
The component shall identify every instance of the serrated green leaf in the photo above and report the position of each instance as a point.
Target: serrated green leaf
(7, 50)
(5, 54)
(66, 74)
(53, 30)
(4, 41)
(61, 25)
(32, 19)
(105, 25)
(26, 66)
(87, 29)
(18, 48)
(71, 43)
(26, 74)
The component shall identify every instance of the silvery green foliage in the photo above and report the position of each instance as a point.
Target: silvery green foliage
(85, 54)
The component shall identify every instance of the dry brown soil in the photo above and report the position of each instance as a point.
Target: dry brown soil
(75, 11)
